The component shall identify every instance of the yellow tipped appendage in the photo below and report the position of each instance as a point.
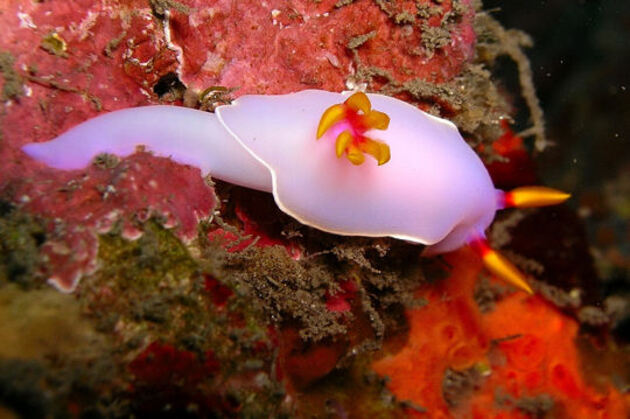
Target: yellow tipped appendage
(499, 265)
(504, 269)
(359, 116)
(522, 197)
(534, 196)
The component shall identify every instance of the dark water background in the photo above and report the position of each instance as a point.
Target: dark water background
(581, 69)
(581, 66)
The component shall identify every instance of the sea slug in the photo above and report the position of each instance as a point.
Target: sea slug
(423, 184)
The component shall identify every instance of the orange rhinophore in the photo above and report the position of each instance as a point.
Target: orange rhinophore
(522, 197)
(533, 196)
(357, 116)
(499, 265)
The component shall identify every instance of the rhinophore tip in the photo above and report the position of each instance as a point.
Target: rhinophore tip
(499, 265)
(533, 196)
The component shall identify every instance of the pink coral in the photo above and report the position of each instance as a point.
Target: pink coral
(133, 191)
(275, 47)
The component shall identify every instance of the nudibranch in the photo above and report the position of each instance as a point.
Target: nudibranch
(423, 184)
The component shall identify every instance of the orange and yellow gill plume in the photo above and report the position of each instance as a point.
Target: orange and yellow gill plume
(359, 117)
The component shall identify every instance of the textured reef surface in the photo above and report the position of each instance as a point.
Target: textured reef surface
(197, 298)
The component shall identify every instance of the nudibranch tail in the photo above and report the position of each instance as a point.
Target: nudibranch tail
(357, 113)
(532, 196)
(187, 136)
(499, 265)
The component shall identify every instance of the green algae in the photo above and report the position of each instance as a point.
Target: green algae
(160, 7)
(51, 82)
(354, 390)
(143, 264)
(12, 88)
(152, 289)
(357, 41)
(114, 43)
(51, 354)
(21, 236)
(106, 161)
(342, 3)
(287, 288)
(385, 272)
(159, 291)
(54, 44)
(34, 319)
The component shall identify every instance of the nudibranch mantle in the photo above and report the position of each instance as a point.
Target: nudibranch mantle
(434, 190)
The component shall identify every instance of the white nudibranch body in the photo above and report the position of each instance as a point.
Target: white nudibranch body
(434, 190)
